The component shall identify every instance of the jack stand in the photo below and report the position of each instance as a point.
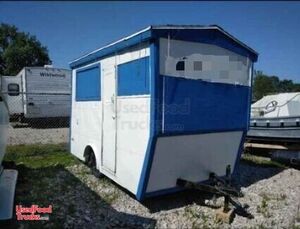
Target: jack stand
(221, 187)
(225, 214)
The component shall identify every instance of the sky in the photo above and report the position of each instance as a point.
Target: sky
(71, 29)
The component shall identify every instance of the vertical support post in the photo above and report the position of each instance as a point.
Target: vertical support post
(228, 174)
(228, 182)
(226, 203)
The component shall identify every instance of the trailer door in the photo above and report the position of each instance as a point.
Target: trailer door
(12, 93)
(109, 118)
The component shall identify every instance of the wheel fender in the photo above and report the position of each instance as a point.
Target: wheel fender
(97, 153)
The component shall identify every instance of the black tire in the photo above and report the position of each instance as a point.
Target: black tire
(90, 161)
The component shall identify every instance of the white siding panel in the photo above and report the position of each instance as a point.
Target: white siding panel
(192, 157)
(86, 126)
(133, 131)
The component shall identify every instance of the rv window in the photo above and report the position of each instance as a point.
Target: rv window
(13, 89)
(197, 65)
(1, 100)
(180, 65)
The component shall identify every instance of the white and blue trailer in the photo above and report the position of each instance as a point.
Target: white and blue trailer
(167, 102)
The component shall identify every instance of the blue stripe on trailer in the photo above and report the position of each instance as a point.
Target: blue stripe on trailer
(154, 128)
(239, 154)
(196, 105)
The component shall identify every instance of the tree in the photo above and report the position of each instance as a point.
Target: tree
(286, 86)
(265, 85)
(296, 87)
(19, 49)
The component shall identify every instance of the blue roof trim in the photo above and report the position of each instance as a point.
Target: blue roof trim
(95, 65)
(208, 34)
(70, 118)
(94, 56)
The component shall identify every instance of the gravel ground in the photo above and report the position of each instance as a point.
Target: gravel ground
(273, 195)
(85, 201)
(28, 135)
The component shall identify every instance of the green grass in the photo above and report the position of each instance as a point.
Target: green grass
(260, 161)
(38, 169)
(39, 156)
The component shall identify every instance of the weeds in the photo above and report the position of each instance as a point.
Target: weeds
(260, 161)
(42, 177)
(111, 197)
(263, 207)
(38, 156)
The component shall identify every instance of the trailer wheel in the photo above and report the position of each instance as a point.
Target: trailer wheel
(90, 161)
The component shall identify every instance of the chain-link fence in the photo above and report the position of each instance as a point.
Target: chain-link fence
(38, 118)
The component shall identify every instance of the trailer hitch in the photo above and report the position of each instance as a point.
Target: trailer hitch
(221, 186)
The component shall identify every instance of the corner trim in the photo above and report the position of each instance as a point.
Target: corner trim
(154, 94)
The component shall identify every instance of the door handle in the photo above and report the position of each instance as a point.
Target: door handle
(112, 99)
(113, 105)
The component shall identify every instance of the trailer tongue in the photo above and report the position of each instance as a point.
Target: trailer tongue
(220, 186)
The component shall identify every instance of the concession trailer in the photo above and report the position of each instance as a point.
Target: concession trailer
(166, 103)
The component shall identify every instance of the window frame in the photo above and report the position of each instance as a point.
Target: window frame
(177, 64)
(195, 62)
(11, 92)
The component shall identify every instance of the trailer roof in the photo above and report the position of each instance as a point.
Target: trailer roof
(211, 34)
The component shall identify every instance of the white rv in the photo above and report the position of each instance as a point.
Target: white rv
(38, 92)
